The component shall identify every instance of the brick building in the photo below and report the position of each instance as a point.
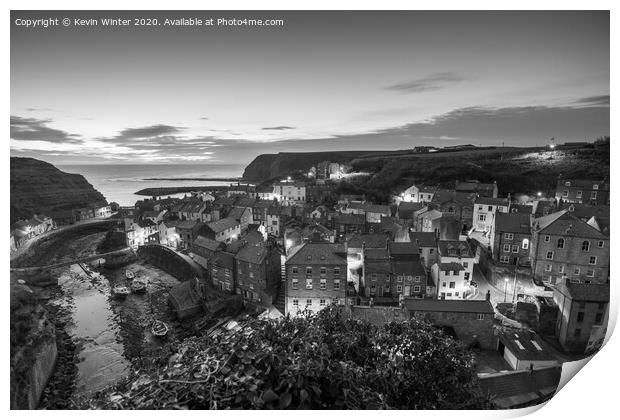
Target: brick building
(511, 237)
(582, 308)
(316, 275)
(258, 273)
(470, 321)
(595, 192)
(566, 247)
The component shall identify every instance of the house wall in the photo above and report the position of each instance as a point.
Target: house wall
(467, 326)
(302, 294)
(568, 259)
(568, 324)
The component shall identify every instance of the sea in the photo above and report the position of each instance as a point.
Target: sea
(119, 183)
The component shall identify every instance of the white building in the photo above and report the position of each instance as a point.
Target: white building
(454, 271)
(290, 192)
(485, 209)
(417, 194)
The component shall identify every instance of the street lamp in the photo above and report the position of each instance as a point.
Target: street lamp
(505, 288)
(539, 194)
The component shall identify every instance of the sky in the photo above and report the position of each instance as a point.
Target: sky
(322, 81)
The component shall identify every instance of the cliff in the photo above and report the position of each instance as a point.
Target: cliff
(269, 166)
(39, 187)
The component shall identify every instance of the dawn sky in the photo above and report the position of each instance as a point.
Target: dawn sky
(323, 81)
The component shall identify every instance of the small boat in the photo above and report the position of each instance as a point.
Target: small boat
(121, 292)
(129, 274)
(159, 328)
(138, 286)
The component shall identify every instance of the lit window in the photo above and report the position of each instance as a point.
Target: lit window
(308, 283)
(508, 236)
(577, 271)
(590, 272)
(515, 248)
(336, 284)
(525, 244)
(308, 302)
(322, 302)
(295, 302)
(547, 238)
(323, 284)
(548, 267)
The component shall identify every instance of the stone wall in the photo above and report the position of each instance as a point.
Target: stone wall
(379, 315)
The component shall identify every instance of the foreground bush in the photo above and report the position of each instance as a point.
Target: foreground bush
(320, 361)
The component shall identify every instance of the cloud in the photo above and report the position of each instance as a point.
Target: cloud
(33, 129)
(602, 100)
(204, 118)
(279, 127)
(40, 110)
(146, 132)
(433, 82)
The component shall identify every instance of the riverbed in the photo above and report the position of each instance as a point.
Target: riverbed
(105, 337)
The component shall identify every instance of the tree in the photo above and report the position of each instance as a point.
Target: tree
(319, 361)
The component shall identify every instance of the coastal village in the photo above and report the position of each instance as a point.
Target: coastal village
(522, 280)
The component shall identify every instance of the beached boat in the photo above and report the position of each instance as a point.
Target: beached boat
(121, 292)
(138, 286)
(159, 328)
(129, 274)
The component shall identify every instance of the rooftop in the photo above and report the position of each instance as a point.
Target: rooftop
(319, 253)
(377, 240)
(513, 222)
(525, 345)
(223, 224)
(489, 201)
(455, 249)
(565, 224)
(424, 239)
(584, 292)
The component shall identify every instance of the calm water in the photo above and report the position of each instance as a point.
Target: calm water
(119, 182)
(95, 328)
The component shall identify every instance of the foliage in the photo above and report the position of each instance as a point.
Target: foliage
(318, 361)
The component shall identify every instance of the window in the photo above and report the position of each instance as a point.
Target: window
(399, 288)
(373, 276)
(598, 319)
(601, 306)
(515, 248)
(336, 284)
(322, 302)
(601, 244)
(251, 274)
(490, 208)
(506, 247)
(373, 289)
(416, 289)
(323, 285)
(294, 270)
(548, 267)
(295, 284)
(590, 272)
(547, 238)
(561, 269)
(337, 271)
(482, 217)
(452, 285)
(323, 271)
(399, 279)
(308, 271)
(308, 284)
(585, 246)
(308, 302)
(567, 183)
(417, 279)
(455, 273)
(509, 236)
(593, 260)
(577, 332)
(579, 194)
(480, 317)
(595, 187)
(549, 255)
(431, 251)
(580, 316)
(593, 195)
(443, 284)
(561, 243)
(447, 273)
(504, 259)
(295, 302)
(465, 264)
(577, 271)
(525, 244)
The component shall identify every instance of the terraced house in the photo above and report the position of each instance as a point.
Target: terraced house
(316, 276)
(511, 237)
(453, 272)
(564, 246)
(258, 273)
(595, 192)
